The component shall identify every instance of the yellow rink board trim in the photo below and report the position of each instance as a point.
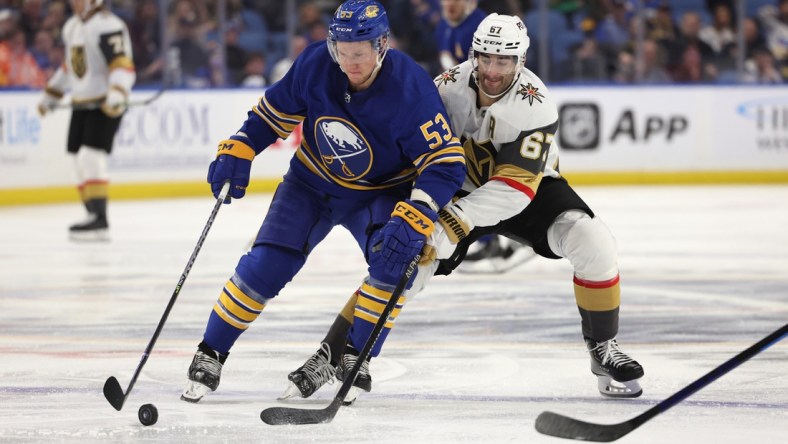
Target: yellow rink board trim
(123, 191)
(163, 190)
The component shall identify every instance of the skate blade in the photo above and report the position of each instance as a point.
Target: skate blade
(89, 236)
(351, 396)
(194, 392)
(291, 392)
(616, 389)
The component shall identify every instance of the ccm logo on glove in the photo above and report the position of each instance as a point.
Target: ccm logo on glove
(414, 218)
(236, 149)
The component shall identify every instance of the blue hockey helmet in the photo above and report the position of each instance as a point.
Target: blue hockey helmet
(359, 21)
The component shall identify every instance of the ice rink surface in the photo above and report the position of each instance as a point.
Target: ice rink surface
(474, 359)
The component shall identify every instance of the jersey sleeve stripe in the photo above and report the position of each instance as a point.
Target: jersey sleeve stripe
(279, 131)
(293, 118)
(516, 185)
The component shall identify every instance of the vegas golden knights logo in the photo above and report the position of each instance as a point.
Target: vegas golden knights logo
(79, 62)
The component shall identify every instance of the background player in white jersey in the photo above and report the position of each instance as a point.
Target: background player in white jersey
(99, 72)
(507, 121)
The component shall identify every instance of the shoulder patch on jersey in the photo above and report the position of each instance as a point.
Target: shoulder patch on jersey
(531, 93)
(447, 76)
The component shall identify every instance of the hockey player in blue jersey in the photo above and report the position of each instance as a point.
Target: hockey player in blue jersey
(383, 182)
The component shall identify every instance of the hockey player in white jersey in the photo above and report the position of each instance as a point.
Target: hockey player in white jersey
(508, 122)
(99, 73)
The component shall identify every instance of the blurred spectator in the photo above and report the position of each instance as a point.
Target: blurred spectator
(55, 18)
(720, 33)
(454, 33)
(413, 24)
(775, 24)
(18, 68)
(42, 48)
(234, 56)
(145, 35)
(297, 45)
(30, 20)
(761, 68)
(660, 25)
(650, 70)
(254, 72)
(312, 22)
(588, 63)
(188, 50)
(689, 40)
(612, 33)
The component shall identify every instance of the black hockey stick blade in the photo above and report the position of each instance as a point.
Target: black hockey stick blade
(554, 424)
(287, 415)
(561, 426)
(114, 393)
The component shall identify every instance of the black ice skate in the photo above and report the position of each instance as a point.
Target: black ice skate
(617, 373)
(495, 257)
(204, 373)
(94, 229)
(316, 371)
(363, 380)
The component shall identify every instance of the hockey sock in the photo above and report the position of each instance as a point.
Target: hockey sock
(232, 314)
(370, 304)
(337, 334)
(598, 303)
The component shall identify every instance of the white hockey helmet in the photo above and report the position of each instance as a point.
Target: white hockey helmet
(502, 35)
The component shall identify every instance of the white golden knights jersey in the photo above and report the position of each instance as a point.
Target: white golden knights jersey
(98, 57)
(508, 145)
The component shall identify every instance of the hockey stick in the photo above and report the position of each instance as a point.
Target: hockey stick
(112, 389)
(95, 105)
(287, 415)
(561, 426)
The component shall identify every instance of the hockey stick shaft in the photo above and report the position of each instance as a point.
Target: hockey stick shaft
(285, 415)
(112, 389)
(97, 105)
(553, 424)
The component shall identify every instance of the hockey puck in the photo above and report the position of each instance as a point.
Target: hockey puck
(148, 414)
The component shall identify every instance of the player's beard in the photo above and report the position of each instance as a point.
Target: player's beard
(495, 85)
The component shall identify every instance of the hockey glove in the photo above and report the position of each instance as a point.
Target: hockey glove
(233, 163)
(400, 239)
(49, 100)
(453, 227)
(115, 103)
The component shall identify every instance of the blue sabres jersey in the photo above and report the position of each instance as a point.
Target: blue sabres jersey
(386, 136)
(457, 40)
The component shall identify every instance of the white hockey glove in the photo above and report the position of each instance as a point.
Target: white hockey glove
(453, 227)
(115, 103)
(48, 101)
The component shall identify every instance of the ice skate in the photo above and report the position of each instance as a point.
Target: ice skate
(307, 379)
(363, 380)
(495, 256)
(204, 373)
(93, 229)
(617, 373)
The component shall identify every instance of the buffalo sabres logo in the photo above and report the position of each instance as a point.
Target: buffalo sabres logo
(531, 93)
(371, 11)
(447, 76)
(343, 149)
